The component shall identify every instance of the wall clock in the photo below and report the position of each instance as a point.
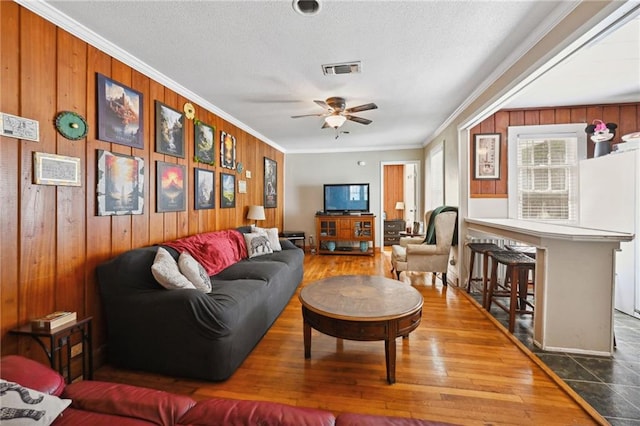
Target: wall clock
(71, 125)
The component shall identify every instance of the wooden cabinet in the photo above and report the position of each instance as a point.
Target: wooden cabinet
(346, 234)
(392, 229)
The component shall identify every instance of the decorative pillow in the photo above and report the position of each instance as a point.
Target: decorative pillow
(194, 272)
(24, 406)
(257, 244)
(165, 270)
(272, 235)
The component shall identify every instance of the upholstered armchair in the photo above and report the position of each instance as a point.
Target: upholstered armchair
(417, 254)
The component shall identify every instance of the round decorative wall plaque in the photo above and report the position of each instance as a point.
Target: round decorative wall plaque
(71, 125)
(189, 111)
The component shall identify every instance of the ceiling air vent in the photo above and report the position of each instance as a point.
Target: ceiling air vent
(343, 68)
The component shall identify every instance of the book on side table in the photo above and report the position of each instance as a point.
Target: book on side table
(53, 320)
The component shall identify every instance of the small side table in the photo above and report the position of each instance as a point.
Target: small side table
(60, 338)
(295, 237)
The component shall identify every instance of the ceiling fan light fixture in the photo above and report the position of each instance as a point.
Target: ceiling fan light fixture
(335, 121)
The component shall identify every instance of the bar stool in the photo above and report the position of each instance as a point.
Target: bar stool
(481, 249)
(515, 283)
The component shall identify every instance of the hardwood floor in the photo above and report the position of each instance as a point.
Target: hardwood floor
(458, 366)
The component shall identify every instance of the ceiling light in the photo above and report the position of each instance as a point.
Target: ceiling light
(335, 121)
(306, 7)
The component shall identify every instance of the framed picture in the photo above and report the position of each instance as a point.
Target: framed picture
(270, 183)
(227, 190)
(204, 138)
(13, 126)
(227, 150)
(169, 130)
(204, 184)
(120, 184)
(170, 187)
(486, 149)
(242, 187)
(52, 169)
(119, 113)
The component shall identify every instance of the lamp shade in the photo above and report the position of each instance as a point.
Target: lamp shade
(335, 121)
(400, 205)
(256, 213)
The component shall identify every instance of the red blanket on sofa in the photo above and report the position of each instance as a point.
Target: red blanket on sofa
(214, 250)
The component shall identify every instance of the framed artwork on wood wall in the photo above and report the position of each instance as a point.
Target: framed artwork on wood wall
(53, 169)
(227, 150)
(169, 130)
(120, 118)
(486, 154)
(204, 184)
(270, 183)
(204, 138)
(120, 184)
(227, 190)
(170, 187)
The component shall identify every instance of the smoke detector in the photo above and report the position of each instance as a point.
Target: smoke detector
(306, 7)
(354, 67)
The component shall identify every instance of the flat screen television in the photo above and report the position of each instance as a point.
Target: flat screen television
(346, 197)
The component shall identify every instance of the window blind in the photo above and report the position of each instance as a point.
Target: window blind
(547, 178)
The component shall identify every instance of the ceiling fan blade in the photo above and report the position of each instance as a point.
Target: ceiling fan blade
(325, 125)
(359, 119)
(307, 115)
(365, 107)
(323, 104)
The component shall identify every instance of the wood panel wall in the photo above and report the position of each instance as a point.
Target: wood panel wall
(51, 237)
(393, 190)
(626, 116)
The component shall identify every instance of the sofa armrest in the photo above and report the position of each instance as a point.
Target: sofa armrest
(152, 405)
(220, 411)
(31, 374)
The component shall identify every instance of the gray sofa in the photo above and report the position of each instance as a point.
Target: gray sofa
(189, 333)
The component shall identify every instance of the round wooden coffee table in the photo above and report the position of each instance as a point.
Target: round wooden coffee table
(361, 307)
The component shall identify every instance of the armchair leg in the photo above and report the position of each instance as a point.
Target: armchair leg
(398, 274)
(444, 279)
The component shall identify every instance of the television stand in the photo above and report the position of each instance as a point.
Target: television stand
(346, 234)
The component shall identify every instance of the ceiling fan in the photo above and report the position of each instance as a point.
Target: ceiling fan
(337, 113)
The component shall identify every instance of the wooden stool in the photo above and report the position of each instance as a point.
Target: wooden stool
(482, 249)
(516, 282)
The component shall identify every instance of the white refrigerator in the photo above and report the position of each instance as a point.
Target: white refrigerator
(610, 199)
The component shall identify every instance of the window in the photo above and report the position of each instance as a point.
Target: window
(543, 172)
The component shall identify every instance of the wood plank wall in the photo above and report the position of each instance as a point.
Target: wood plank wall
(393, 190)
(626, 116)
(51, 237)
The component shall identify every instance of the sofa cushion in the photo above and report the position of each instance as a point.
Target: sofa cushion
(165, 270)
(273, 235)
(151, 405)
(74, 417)
(214, 250)
(224, 412)
(194, 271)
(31, 374)
(257, 244)
(21, 405)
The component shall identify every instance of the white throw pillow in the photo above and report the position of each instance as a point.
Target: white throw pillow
(272, 235)
(165, 270)
(24, 406)
(257, 244)
(194, 271)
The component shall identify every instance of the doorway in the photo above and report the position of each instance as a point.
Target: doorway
(400, 194)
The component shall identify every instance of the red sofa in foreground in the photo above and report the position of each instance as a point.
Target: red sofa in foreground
(108, 404)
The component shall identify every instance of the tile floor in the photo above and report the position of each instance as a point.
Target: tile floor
(609, 385)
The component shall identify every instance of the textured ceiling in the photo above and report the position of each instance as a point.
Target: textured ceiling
(260, 61)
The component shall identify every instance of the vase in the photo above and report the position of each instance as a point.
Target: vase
(331, 246)
(602, 148)
(364, 246)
